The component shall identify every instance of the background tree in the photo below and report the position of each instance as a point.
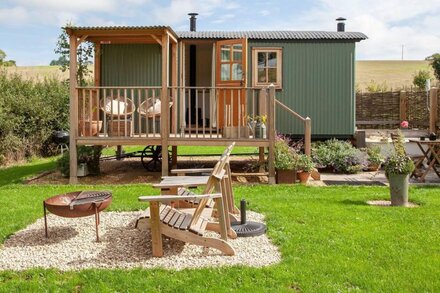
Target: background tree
(2, 56)
(84, 56)
(420, 78)
(60, 61)
(4, 62)
(435, 63)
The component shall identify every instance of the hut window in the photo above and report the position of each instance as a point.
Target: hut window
(266, 68)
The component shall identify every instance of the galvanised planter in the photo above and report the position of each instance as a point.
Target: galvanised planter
(399, 184)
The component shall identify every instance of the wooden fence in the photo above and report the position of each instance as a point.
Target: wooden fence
(387, 109)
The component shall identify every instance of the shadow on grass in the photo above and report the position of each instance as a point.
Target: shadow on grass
(353, 202)
(16, 174)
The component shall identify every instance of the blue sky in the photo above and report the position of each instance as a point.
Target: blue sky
(29, 28)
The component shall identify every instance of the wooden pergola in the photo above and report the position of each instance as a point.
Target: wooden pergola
(163, 35)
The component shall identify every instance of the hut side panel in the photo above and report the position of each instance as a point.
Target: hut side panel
(131, 65)
(318, 81)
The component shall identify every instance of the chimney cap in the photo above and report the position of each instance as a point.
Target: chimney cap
(341, 19)
(192, 14)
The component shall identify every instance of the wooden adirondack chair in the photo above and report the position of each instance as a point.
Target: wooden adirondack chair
(226, 183)
(188, 225)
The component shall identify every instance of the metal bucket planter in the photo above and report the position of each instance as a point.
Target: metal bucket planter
(399, 189)
(260, 130)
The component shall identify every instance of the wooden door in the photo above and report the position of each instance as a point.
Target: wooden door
(231, 73)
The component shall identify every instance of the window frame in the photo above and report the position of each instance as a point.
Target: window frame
(279, 52)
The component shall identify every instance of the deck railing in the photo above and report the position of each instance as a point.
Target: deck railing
(194, 112)
(183, 115)
(119, 111)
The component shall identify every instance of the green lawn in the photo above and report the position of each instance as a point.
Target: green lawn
(330, 241)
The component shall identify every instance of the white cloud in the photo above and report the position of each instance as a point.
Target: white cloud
(265, 12)
(73, 6)
(178, 10)
(388, 24)
(13, 16)
(223, 18)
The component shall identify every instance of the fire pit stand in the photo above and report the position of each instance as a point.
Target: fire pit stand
(77, 204)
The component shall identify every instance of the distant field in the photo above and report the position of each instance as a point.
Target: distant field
(396, 74)
(39, 72)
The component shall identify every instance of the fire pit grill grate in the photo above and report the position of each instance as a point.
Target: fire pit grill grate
(78, 204)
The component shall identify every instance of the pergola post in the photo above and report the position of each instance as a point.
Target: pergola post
(165, 111)
(73, 117)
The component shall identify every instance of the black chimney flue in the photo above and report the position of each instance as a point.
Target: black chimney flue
(341, 24)
(192, 21)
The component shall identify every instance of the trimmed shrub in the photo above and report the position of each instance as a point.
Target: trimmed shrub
(29, 113)
(339, 155)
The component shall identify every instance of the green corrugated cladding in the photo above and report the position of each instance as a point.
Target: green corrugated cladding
(318, 82)
(131, 65)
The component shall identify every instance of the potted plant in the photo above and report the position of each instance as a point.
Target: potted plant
(89, 123)
(285, 159)
(375, 158)
(257, 125)
(88, 161)
(304, 167)
(398, 167)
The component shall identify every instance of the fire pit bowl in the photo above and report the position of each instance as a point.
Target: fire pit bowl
(78, 204)
(60, 205)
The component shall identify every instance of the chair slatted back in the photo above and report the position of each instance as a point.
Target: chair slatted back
(213, 182)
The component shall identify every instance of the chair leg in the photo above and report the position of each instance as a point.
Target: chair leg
(215, 227)
(192, 238)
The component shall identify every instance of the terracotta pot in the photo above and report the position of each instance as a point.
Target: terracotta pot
(84, 127)
(373, 167)
(285, 176)
(303, 177)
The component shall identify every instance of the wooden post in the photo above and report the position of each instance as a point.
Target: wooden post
(119, 152)
(73, 117)
(433, 110)
(174, 84)
(97, 65)
(271, 133)
(261, 159)
(174, 157)
(403, 106)
(156, 235)
(262, 103)
(165, 112)
(308, 136)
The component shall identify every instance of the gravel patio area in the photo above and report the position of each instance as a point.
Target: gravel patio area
(72, 246)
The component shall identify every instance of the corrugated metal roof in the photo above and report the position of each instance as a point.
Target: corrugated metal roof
(256, 35)
(119, 27)
(273, 35)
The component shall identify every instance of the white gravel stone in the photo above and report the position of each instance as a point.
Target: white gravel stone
(72, 246)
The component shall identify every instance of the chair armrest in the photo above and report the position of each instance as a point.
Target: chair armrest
(168, 198)
(191, 171)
